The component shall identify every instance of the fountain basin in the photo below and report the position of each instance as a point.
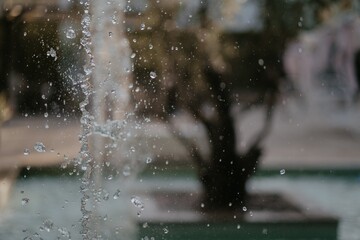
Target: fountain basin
(219, 231)
(177, 215)
(56, 199)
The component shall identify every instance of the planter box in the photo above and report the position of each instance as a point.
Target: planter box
(177, 215)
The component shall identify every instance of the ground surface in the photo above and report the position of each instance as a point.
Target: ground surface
(300, 140)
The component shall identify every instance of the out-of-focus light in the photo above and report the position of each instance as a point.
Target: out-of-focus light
(15, 11)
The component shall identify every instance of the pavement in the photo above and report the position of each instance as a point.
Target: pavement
(298, 140)
(19, 136)
(315, 140)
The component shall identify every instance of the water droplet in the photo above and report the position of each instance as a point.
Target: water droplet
(110, 34)
(142, 26)
(36, 235)
(52, 53)
(87, 70)
(114, 19)
(116, 194)
(48, 225)
(64, 165)
(137, 202)
(126, 170)
(202, 205)
(238, 226)
(282, 171)
(64, 232)
(133, 55)
(26, 152)
(39, 147)
(46, 114)
(25, 34)
(148, 160)
(166, 231)
(244, 209)
(106, 196)
(110, 177)
(145, 225)
(153, 75)
(25, 201)
(151, 46)
(261, 62)
(70, 33)
(28, 168)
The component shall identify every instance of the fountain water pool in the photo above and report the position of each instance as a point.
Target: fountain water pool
(49, 208)
(53, 208)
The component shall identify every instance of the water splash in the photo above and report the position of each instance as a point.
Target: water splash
(52, 53)
(85, 157)
(104, 122)
(39, 147)
(117, 194)
(137, 202)
(48, 225)
(64, 232)
(25, 201)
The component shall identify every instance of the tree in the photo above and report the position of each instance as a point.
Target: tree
(225, 171)
(207, 72)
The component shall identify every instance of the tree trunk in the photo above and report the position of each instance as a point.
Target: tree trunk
(224, 179)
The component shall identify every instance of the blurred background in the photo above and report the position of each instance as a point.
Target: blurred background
(289, 81)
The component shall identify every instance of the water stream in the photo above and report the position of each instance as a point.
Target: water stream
(105, 108)
(52, 211)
